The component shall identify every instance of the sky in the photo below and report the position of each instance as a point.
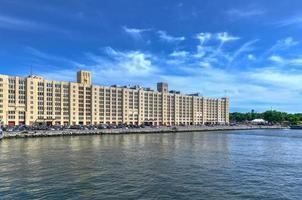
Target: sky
(250, 51)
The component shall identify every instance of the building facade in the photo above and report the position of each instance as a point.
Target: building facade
(33, 99)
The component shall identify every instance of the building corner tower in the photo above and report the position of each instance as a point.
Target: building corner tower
(84, 77)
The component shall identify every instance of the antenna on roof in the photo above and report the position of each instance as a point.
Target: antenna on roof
(31, 70)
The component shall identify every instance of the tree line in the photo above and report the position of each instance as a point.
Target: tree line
(272, 116)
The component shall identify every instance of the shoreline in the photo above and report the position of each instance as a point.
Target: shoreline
(160, 130)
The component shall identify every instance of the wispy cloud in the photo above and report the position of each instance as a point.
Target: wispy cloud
(245, 13)
(283, 44)
(18, 24)
(278, 78)
(50, 57)
(179, 54)
(215, 67)
(246, 47)
(135, 32)
(204, 49)
(251, 57)
(225, 37)
(293, 20)
(272, 86)
(297, 61)
(168, 38)
(111, 65)
(276, 59)
(60, 74)
(203, 37)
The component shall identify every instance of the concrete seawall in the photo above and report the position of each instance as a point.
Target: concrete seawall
(72, 132)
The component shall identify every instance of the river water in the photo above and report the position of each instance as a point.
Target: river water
(258, 164)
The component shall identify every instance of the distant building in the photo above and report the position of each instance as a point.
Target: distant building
(36, 100)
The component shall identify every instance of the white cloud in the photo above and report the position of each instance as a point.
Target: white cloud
(18, 24)
(222, 37)
(60, 74)
(109, 67)
(293, 20)
(246, 47)
(123, 64)
(206, 70)
(278, 78)
(210, 81)
(168, 38)
(283, 44)
(256, 89)
(270, 86)
(205, 64)
(110, 51)
(179, 54)
(251, 57)
(134, 32)
(225, 37)
(240, 13)
(276, 59)
(137, 63)
(203, 37)
(283, 61)
(295, 61)
(50, 57)
(202, 51)
(178, 58)
(288, 42)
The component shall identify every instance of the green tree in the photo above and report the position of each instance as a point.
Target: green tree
(271, 116)
(274, 116)
(294, 119)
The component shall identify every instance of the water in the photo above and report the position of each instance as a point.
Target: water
(216, 165)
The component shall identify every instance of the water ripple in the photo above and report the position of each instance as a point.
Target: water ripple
(221, 165)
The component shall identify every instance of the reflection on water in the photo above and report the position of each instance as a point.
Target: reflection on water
(217, 165)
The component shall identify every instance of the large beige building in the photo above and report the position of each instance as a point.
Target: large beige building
(34, 99)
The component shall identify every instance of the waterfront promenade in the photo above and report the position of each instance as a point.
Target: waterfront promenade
(146, 130)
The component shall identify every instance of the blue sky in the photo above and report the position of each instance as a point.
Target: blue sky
(250, 51)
